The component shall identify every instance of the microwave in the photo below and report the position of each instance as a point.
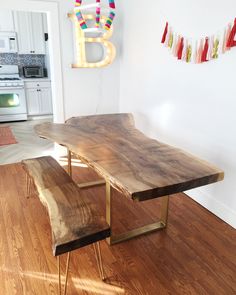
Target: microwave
(33, 72)
(8, 43)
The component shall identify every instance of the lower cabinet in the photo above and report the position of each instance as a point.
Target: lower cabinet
(39, 98)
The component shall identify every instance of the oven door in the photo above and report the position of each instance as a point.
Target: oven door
(12, 103)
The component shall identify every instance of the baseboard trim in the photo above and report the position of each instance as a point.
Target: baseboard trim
(41, 117)
(219, 209)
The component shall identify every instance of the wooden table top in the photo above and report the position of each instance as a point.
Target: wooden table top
(138, 166)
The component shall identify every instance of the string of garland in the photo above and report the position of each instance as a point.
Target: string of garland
(203, 50)
(109, 19)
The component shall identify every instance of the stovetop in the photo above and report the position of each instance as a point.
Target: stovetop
(9, 76)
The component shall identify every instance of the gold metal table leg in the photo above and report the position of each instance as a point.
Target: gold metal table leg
(85, 184)
(115, 239)
(109, 209)
(164, 210)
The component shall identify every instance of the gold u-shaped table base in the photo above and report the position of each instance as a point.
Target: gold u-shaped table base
(115, 239)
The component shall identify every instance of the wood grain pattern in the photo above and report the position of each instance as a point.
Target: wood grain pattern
(74, 222)
(195, 255)
(139, 167)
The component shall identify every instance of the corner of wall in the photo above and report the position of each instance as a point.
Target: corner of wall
(214, 206)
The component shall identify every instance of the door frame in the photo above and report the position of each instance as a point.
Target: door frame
(52, 11)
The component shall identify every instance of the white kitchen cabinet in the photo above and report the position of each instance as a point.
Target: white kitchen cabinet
(33, 103)
(45, 101)
(6, 21)
(39, 98)
(30, 32)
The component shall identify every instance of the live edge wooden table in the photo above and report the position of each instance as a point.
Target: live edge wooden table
(139, 167)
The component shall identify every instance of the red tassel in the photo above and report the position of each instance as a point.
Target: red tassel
(180, 49)
(231, 42)
(205, 50)
(165, 34)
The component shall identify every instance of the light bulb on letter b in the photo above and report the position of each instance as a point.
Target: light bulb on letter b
(81, 40)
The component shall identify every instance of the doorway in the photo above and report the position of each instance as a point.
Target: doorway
(50, 9)
(44, 92)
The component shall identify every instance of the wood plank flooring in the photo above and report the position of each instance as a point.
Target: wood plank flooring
(196, 254)
(29, 144)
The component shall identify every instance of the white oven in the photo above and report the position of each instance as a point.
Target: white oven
(12, 104)
(12, 95)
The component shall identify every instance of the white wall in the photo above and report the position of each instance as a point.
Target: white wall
(87, 91)
(187, 105)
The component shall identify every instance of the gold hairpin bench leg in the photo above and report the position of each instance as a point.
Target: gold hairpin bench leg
(30, 186)
(59, 274)
(98, 256)
(69, 162)
(67, 270)
(115, 239)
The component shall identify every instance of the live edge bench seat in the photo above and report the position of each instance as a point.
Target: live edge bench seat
(74, 222)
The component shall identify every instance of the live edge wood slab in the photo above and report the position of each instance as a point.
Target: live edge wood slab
(75, 222)
(138, 166)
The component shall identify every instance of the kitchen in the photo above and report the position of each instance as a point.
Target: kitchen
(25, 87)
(25, 84)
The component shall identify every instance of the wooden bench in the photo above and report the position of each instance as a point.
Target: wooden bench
(75, 222)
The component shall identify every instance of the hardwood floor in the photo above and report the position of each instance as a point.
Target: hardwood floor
(29, 144)
(196, 254)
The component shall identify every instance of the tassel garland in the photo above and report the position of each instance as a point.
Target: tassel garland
(202, 51)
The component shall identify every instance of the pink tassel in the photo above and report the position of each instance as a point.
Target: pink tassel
(184, 54)
(177, 46)
(227, 37)
(199, 53)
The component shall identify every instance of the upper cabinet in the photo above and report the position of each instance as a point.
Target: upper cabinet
(30, 32)
(6, 21)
